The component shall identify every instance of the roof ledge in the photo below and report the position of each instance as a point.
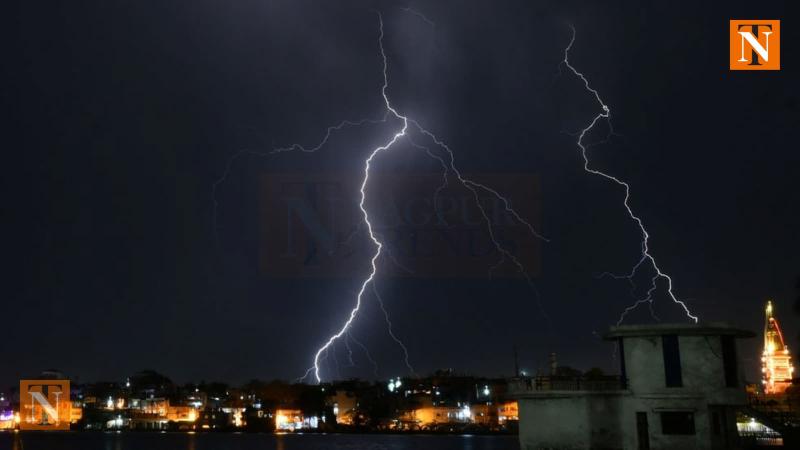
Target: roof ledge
(681, 329)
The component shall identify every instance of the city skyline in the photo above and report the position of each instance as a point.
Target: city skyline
(773, 342)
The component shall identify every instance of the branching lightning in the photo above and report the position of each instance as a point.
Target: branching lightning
(445, 182)
(367, 354)
(473, 186)
(413, 11)
(390, 328)
(378, 245)
(294, 147)
(646, 256)
(350, 361)
(449, 167)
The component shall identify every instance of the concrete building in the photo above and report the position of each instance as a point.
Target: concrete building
(679, 387)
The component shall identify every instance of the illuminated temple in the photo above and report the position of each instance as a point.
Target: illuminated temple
(776, 362)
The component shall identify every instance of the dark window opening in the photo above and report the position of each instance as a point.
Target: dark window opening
(622, 372)
(672, 361)
(642, 431)
(677, 422)
(716, 426)
(729, 362)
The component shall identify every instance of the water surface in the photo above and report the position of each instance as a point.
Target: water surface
(242, 441)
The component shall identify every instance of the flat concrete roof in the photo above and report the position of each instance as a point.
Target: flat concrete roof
(681, 329)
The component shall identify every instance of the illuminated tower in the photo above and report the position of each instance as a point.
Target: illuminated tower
(776, 362)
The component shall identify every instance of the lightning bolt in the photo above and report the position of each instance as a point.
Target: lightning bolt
(448, 165)
(350, 361)
(445, 182)
(378, 245)
(473, 186)
(414, 12)
(367, 354)
(646, 256)
(294, 147)
(391, 329)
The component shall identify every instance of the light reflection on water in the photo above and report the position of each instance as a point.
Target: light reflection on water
(244, 441)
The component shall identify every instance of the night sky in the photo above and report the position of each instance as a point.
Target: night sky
(123, 114)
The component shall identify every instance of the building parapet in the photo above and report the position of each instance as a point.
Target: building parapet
(548, 383)
(703, 329)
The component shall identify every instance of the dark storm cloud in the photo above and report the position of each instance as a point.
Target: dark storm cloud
(126, 113)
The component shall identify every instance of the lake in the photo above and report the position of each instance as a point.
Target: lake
(241, 441)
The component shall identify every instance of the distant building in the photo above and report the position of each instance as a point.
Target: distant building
(776, 362)
(294, 420)
(152, 406)
(427, 417)
(343, 403)
(679, 387)
(158, 413)
(76, 412)
(237, 415)
(214, 419)
(507, 412)
(483, 414)
(181, 413)
(6, 413)
(8, 418)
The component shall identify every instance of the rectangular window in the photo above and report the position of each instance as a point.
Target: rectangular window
(672, 361)
(642, 431)
(677, 422)
(623, 373)
(729, 362)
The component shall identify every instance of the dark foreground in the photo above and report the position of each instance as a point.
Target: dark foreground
(237, 441)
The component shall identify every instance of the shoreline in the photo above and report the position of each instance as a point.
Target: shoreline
(221, 432)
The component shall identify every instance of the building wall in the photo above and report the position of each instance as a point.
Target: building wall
(571, 420)
(703, 377)
(654, 407)
(582, 420)
(608, 419)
